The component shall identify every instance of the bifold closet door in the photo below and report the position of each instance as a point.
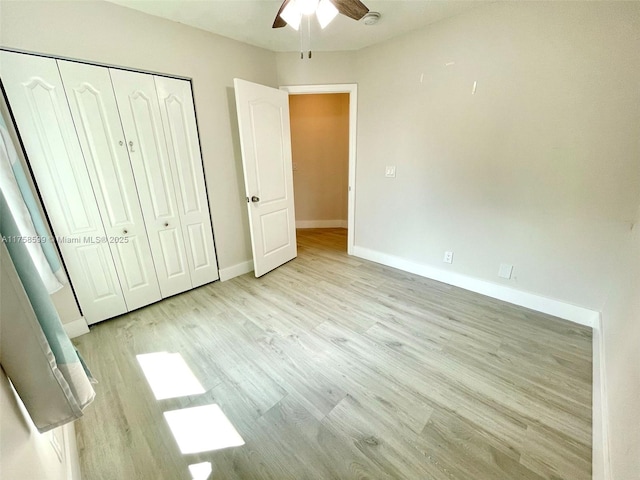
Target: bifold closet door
(37, 98)
(180, 129)
(140, 115)
(95, 113)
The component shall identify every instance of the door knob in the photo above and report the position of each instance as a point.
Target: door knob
(166, 224)
(125, 232)
(255, 199)
(131, 146)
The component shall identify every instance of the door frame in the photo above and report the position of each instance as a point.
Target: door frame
(352, 90)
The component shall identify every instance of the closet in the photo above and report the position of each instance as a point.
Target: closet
(116, 158)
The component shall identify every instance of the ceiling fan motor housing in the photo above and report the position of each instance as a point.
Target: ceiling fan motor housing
(371, 18)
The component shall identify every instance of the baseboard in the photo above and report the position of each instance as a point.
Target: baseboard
(76, 328)
(573, 313)
(236, 270)
(601, 465)
(72, 459)
(321, 224)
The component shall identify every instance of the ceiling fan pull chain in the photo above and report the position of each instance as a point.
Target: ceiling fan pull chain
(309, 34)
(301, 43)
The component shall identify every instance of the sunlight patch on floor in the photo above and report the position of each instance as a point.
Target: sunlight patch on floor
(200, 471)
(202, 429)
(168, 375)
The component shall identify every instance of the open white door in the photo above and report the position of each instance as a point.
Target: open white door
(265, 140)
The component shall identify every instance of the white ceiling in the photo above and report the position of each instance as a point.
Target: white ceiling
(250, 21)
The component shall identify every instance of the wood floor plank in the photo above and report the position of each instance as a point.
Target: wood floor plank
(333, 367)
(409, 407)
(471, 450)
(553, 455)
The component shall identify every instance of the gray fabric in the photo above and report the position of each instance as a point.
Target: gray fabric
(33, 343)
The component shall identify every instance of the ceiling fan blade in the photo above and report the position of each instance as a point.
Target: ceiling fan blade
(279, 21)
(351, 8)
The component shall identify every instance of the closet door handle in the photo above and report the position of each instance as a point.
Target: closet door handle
(255, 199)
(124, 232)
(166, 224)
(131, 146)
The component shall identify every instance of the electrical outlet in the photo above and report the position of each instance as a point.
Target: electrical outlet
(390, 171)
(448, 257)
(505, 270)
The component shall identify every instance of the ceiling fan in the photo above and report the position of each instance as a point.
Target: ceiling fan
(291, 11)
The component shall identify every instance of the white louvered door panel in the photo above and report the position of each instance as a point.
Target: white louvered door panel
(179, 122)
(140, 115)
(37, 99)
(95, 113)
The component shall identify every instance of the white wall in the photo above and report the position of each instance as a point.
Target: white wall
(621, 333)
(321, 68)
(538, 169)
(108, 33)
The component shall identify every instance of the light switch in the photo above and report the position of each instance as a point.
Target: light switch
(505, 270)
(390, 171)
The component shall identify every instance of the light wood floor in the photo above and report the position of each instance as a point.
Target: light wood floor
(332, 367)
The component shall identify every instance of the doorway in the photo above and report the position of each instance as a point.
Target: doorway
(323, 128)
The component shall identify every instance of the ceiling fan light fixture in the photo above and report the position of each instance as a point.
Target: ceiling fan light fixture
(306, 7)
(291, 14)
(326, 12)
